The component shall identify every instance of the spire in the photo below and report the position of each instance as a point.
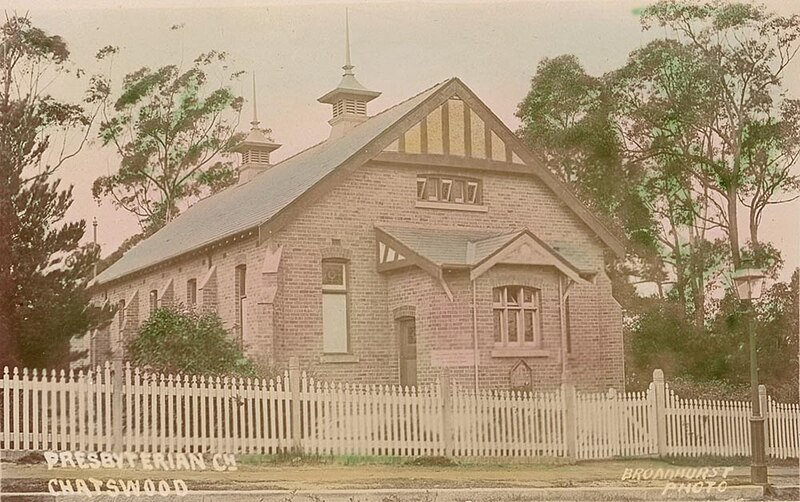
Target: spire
(349, 99)
(255, 148)
(348, 66)
(255, 121)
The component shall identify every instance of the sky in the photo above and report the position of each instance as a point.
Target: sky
(399, 48)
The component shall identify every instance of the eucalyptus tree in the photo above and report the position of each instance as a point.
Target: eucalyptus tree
(171, 128)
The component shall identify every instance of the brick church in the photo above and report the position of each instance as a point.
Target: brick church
(422, 238)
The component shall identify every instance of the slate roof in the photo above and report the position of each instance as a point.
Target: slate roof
(445, 247)
(448, 247)
(246, 206)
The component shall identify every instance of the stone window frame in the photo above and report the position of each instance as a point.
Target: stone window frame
(502, 304)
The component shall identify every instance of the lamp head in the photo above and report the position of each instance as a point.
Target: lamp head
(749, 282)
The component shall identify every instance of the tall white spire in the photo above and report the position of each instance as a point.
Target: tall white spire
(255, 148)
(348, 67)
(349, 99)
(255, 121)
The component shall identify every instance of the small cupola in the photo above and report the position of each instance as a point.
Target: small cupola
(349, 99)
(255, 148)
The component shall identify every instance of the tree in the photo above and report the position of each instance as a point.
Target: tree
(566, 118)
(171, 134)
(696, 126)
(744, 150)
(177, 341)
(43, 268)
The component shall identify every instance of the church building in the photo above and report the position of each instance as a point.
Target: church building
(423, 238)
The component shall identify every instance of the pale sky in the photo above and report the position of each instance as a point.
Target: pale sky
(398, 48)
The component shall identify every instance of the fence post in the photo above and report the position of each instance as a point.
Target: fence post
(661, 412)
(570, 420)
(447, 414)
(116, 406)
(764, 405)
(294, 389)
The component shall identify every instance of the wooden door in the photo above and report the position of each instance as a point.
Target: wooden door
(407, 332)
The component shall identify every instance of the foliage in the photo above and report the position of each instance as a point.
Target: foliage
(743, 137)
(43, 268)
(171, 128)
(717, 360)
(177, 341)
(566, 117)
(672, 146)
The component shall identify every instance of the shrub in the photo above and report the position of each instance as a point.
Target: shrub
(178, 341)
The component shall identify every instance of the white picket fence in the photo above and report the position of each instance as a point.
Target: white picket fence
(135, 411)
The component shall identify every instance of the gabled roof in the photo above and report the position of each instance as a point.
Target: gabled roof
(273, 195)
(245, 206)
(434, 250)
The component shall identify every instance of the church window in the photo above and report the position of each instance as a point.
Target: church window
(446, 185)
(472, 192)
(421, 182)
(516, 315)
(191, 292)
(334, 307)
(153, 300)
(239, 288)
(432, 188)
(121, 312)
(567, 327)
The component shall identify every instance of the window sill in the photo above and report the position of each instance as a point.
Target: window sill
(519, 352)
(338, 358)
(452, 206)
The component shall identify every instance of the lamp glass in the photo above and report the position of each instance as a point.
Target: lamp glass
(749, 283)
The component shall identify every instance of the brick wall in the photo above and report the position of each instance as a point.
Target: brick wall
(375, 194)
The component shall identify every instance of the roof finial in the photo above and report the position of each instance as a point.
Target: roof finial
(348, 67)
(255, 121)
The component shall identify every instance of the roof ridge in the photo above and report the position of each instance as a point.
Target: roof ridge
(397, 105)
(357, 126)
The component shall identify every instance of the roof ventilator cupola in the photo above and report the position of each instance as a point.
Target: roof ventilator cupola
(255, 148)
(349, 99)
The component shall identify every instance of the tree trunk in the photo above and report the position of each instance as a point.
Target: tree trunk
(754, 231)
(733, 224)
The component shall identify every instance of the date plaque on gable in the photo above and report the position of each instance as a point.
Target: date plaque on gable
(520, 376)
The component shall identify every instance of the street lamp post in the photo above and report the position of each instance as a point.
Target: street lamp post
(749, 282)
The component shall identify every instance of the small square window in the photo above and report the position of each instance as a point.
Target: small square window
(446, 186)
(421, 182)
(431, 189)
(513, 296)
(458, 191)
(333, 274)
(472, 192)
(527, 295)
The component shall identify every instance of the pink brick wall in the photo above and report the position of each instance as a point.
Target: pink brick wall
(379, 195)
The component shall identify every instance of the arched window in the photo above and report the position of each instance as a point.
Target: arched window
(153, 300)
(516, 315)
(191, 293)
(240, 292)
(121, 312)
(334, 307)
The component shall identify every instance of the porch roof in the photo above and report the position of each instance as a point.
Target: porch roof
(478, 250)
